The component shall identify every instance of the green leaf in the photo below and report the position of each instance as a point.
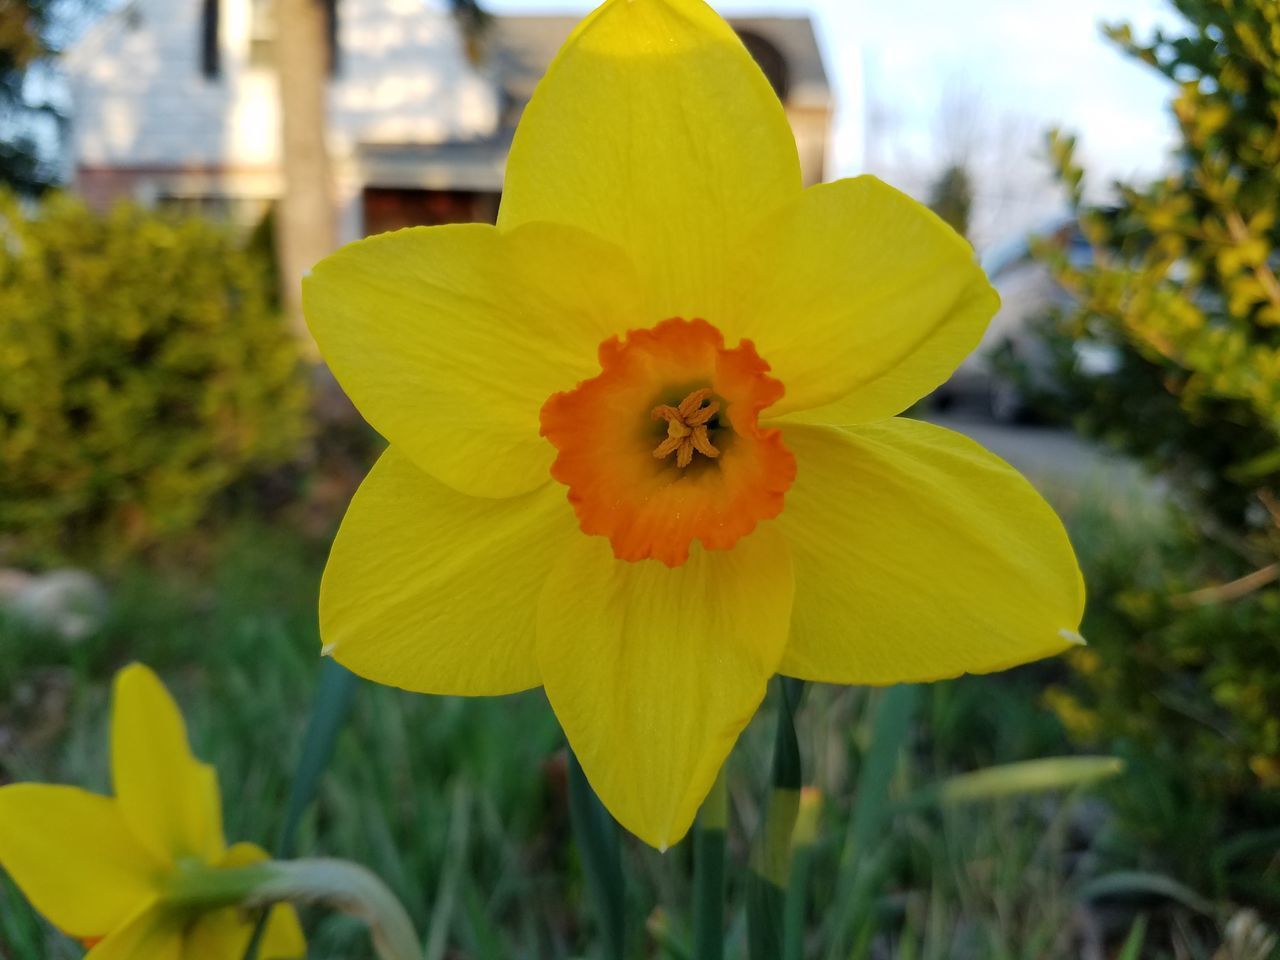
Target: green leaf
(771, 863)
(329, 713)
(1132, 949)
(859, 861)
(786, 746)
(891, 727)
(1017, 779)
(1141, 883)
(766, 903)
(598, 840)
(453, 875)
(793, 914)
(329, 710)
(708, 873)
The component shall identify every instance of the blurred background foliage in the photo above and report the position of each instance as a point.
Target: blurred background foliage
(1184, 616)
(1183, 280)
(143, 371)
(31, 33)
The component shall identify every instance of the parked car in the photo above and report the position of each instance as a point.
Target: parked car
(1028, 291)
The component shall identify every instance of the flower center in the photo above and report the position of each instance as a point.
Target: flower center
(687, 428)
(654, 472)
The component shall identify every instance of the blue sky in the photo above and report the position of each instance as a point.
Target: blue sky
(1026, 64)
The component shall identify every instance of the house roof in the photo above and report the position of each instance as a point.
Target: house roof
(521, 48)
(525, 45)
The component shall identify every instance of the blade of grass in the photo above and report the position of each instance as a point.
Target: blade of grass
(668, 940)
(804, 839)
(597, 836)
(486, 937)
(19, 928)
(1144, 884)
(708, 873)
(771, 864)
(332, 704)
(1018, 779)
(335, 693)
(1132, 949)
(452, 877)
(859, 864)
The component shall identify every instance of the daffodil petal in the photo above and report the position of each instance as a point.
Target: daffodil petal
(283, 939)
(449, 339)
(169, 798)
(219, 935)
(653, 672)
(919, 556)
(152, 934)
(243, 854)
(861, 300)
(655, 129)
(434, 591)
(72, 854)
(225, 934)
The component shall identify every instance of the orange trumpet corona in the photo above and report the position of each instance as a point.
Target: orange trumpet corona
(672, 389)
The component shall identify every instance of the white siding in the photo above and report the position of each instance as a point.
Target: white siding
(404, 78)
(140, 99)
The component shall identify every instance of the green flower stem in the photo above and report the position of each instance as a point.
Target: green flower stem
(600, 846)
(803, 843)
(793, 911)
(771, 862)
(344, 886)
(197, 886)
(708, 873)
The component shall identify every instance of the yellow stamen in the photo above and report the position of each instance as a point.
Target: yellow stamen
(687, 428)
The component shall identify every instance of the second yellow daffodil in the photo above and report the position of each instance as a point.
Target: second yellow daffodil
(109, 871)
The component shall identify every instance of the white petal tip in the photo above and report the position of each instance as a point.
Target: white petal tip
(1074, 638)
(327, 649)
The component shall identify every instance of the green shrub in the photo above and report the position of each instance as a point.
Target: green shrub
(1183, 685)
(1184, 615)
(142, 372)
(1184, 276)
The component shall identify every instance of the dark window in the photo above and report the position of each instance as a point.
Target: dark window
(209, 42)
(393, 208)
(331, 24)
(771, 61)
(263, 28)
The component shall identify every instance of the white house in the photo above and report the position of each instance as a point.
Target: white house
(174, 102)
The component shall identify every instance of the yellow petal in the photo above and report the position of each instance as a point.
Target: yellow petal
(431, 590)
(224, 934)
(860, 299)
(450, 339)
(653, 672)
(168, 796)
(919, 556)
(243, 855)
(655, 129)
(152, 934)
(71, 853)
(283, 939)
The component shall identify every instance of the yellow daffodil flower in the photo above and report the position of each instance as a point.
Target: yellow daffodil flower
(104, 869)
(707, 358)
